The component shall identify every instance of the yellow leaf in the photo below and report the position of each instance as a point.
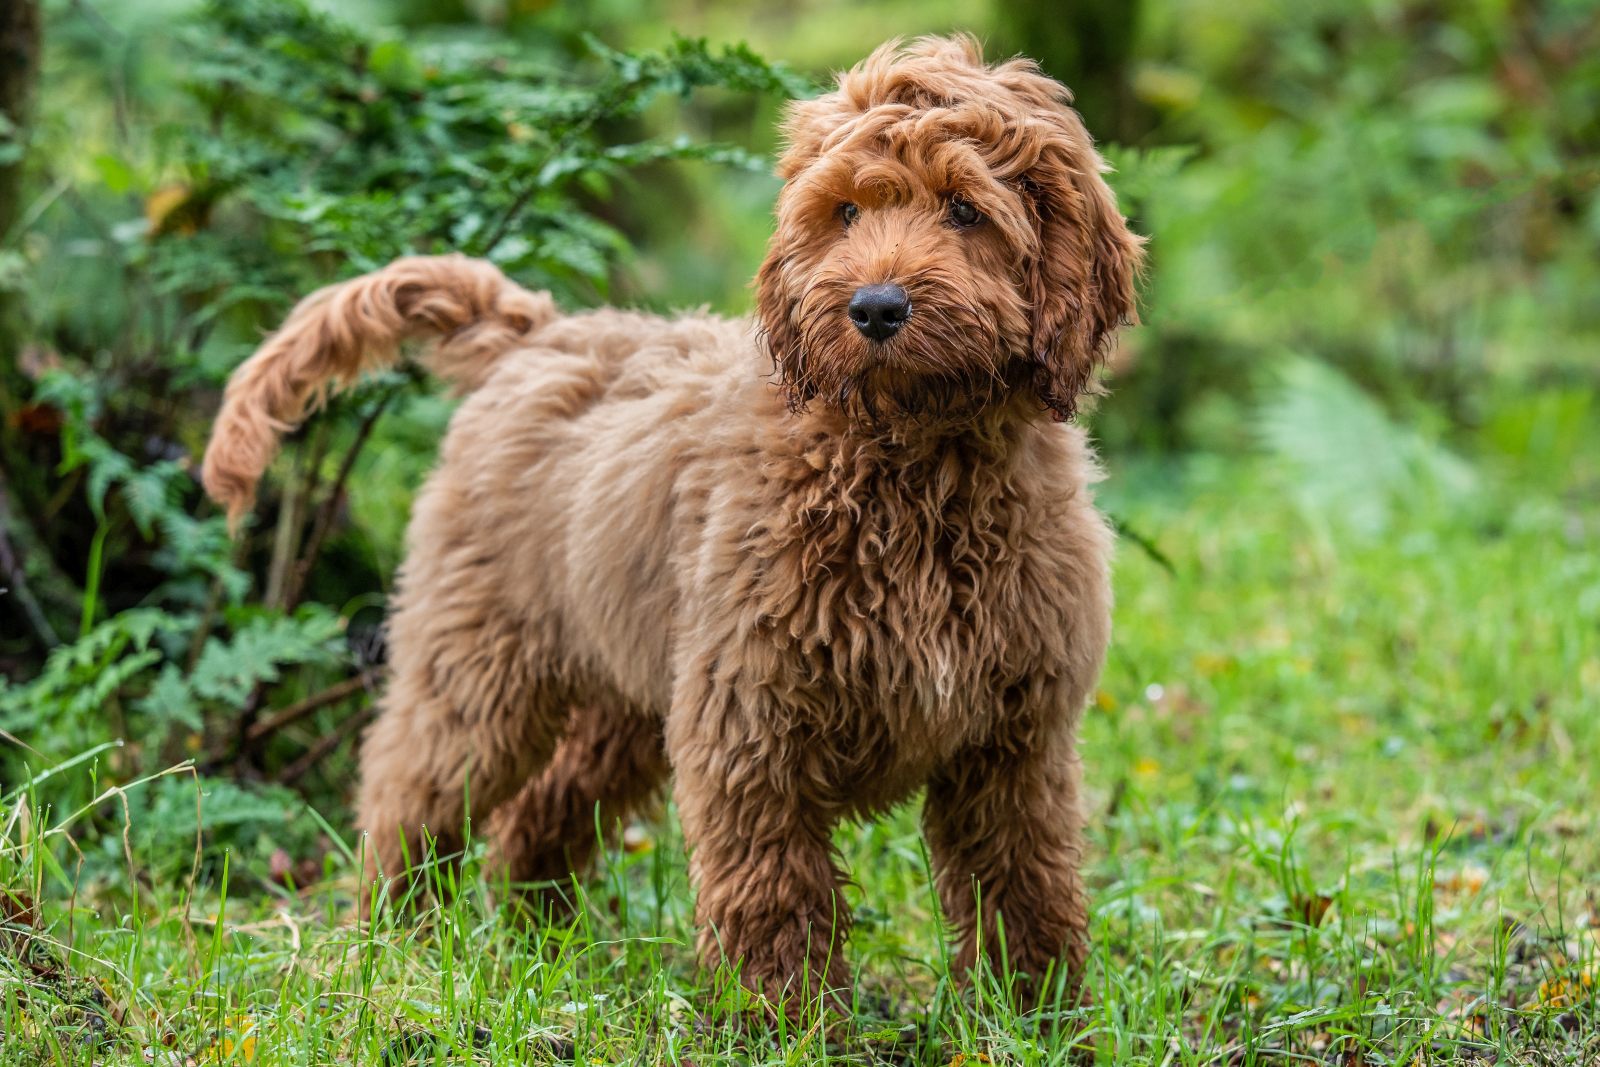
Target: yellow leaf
(1564, 992)
(163, 202)
(236, 1044)
(1470, 880)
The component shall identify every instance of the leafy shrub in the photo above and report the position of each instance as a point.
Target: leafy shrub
(1349, 462)
(301, 151)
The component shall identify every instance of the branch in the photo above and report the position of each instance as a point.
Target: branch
(302, 708)
(1144, 544)
(325, 747)
(13, 573)
(503, 227)
(285, 541)
(295, 587)
(250, 732)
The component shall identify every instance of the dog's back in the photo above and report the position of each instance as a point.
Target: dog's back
(586, 466)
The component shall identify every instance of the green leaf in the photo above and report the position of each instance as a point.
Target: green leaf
(170, 699)
(115, 172)
(229, 671)
(151, 493)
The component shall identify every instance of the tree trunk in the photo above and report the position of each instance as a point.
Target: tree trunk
(19, 75)
(36, 590)
(1088, 44)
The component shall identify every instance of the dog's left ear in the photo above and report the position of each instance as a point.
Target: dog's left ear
(1081, 280)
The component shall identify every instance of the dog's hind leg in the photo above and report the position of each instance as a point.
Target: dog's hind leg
(462, 727)
(610, 763)
(475, 703)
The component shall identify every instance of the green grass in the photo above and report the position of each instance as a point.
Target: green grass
(1342, 808)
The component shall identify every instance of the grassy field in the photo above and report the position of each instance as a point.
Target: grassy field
(1342, 809)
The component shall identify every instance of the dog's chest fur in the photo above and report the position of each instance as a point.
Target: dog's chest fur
(893, 587)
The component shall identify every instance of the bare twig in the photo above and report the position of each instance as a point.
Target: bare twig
(250, 731)
(285, 541)
(323, 748)
(319, 452)
(242, 751)
(16, 577)
(295, 587)
(302, 708)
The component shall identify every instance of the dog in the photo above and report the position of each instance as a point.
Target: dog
(802, 566)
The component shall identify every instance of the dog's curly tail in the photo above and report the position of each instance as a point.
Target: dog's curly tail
(472, 312)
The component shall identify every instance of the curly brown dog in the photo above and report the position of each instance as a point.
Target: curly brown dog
(802, 595)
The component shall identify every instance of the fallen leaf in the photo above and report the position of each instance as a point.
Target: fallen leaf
(1311, 908)
(1470, 880)
(236, 1043)
(1564, 992)
(17, 908)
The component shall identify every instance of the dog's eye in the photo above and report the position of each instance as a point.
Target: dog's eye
(962, 213)
(849, 213)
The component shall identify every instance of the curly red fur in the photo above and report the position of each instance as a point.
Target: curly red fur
(1034, 295)
(808, 601)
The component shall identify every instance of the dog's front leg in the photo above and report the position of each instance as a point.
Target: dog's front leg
(1005, 833)
(768, 888)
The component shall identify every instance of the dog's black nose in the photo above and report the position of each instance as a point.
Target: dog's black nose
(879, 310)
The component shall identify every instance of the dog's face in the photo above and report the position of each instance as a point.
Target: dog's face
(944, 239)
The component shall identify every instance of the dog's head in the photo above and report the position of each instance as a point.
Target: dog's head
(944, 239)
